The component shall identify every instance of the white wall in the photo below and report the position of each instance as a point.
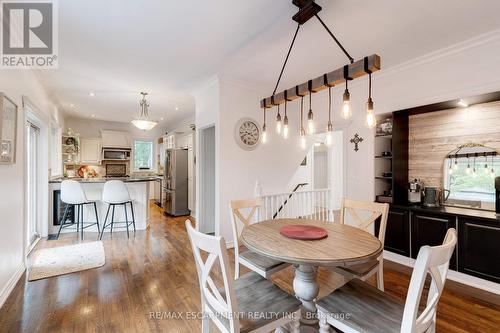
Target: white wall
(15, 84)
(206, 115)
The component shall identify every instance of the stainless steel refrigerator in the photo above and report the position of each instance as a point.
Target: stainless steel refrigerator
(175, 189)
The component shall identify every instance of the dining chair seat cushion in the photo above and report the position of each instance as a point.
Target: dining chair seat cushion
(259, 261)
(260, 302)
(369, 309)
(359, 270)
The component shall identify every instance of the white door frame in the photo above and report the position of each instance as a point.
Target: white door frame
(200, 167)
(33, 115)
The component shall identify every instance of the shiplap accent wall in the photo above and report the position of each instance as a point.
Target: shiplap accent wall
(433, 135)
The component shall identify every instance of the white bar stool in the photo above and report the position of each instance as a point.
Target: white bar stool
(115, 193)
(73, 195)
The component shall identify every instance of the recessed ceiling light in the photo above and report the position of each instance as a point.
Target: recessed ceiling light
(162, 118)
(91, 94)
(462, 103)
(176, 108)
(72, 105)
(92, 115)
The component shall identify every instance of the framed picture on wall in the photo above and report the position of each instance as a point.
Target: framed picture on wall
(8, 130)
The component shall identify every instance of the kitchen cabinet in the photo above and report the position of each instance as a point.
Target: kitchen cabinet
(170, 142)
(397, 232)
(479, 247)
(185, 141)
(115, 139)
(430, 229)
(90, 150)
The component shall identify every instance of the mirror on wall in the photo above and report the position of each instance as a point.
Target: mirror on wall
(469, 175)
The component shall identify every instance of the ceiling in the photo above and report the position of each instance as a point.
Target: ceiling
(116, 49)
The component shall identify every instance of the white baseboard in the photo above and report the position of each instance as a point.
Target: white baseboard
(465, 279)
(4, 294)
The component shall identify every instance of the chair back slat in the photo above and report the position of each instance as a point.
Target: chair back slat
(353, 208)
(434, 261)
(223, 308)
(236, 208)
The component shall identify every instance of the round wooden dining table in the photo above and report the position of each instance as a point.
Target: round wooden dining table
(345, 245)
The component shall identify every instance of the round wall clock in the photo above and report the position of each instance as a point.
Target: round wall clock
(247, 133)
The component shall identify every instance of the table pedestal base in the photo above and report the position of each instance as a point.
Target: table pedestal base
(306, 289)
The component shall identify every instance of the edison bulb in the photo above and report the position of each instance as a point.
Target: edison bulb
(455, 166)
(278, 125)
(303, 142)
(468, 170)
(346, 110)
(285, 131)
(310, 127)
(371, 121)
(329, 138)
(264, 136)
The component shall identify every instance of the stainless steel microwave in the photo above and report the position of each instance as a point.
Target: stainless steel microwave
(116, 154)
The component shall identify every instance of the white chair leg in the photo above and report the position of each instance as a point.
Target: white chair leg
(380, 277)
(295, 326)
(324, 327)
(205, 325)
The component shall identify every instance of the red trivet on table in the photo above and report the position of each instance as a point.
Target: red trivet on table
(303, 232)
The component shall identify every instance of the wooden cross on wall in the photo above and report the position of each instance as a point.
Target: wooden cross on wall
(356, 140)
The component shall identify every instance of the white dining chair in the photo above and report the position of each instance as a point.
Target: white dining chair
(375, 211)
(262, 265)
(360, 307)
(248, 304)
(73, 195)
(115, 193)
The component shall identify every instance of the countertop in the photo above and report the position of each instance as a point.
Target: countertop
(452, 210)
(132, 179)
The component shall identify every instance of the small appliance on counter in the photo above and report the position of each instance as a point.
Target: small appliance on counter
(415, 191)
(434, 196)
(497, 195)
(431, 196)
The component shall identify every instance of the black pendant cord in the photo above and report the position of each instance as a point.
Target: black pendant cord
(301, 114)
(369, 72)
(351, 59)
(286, 59)
(329, 105)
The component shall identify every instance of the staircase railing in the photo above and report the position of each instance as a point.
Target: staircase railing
(315, 204)
(289, 197)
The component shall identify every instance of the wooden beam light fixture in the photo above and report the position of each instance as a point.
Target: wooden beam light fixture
(355, 69)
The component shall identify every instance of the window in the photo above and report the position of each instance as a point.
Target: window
(475, 189)
(143, 155)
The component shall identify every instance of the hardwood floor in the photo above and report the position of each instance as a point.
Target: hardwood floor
(152, 275)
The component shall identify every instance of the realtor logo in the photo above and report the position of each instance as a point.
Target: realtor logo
(29, 34)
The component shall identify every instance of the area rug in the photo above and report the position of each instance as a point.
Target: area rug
(66, 259)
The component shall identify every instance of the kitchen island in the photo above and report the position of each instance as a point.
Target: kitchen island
(138, 187)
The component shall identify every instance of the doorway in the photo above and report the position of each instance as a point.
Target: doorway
(32, 184)
(36, 174)
(207, 195)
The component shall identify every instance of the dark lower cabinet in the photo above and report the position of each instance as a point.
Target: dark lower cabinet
(429, 229)
(397, 233)
(479, 248)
